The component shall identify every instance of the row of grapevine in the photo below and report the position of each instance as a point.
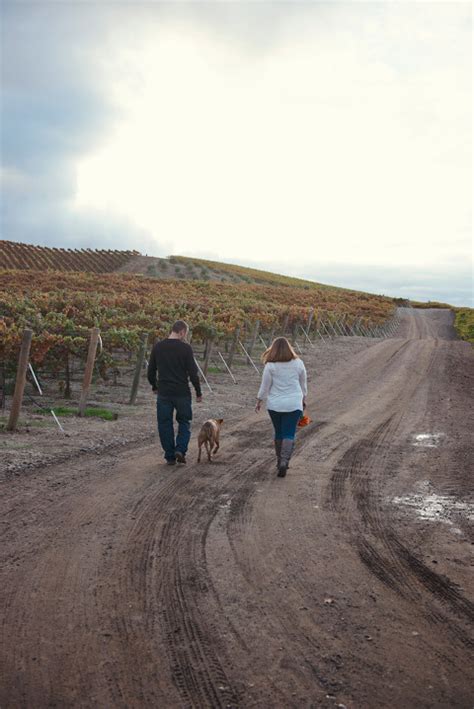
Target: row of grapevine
(61, 309)
(29, 257)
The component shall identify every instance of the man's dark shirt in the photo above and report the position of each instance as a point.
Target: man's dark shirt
(174, 361)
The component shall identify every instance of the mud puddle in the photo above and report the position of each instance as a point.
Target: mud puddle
(428, 505)
(427, 440)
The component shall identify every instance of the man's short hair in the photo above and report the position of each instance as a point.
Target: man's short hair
(179, 326)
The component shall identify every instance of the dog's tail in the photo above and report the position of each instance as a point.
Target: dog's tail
(208, 428)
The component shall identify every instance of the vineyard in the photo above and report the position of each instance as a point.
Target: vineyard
(61, 309)
(42, 258)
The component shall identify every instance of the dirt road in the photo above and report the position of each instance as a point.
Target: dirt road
(132, 584)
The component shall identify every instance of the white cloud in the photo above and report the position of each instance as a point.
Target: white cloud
(347, 141)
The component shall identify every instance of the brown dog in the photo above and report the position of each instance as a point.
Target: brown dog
(209, 437)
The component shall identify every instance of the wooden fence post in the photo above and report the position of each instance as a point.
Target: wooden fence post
(205, 366)
(233, 346)
(253, 340)
(88, 370)
(138, 370)
(294, 332)
(310, 320)
(20, 379)
(285, 324)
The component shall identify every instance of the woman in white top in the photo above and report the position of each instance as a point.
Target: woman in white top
(284, 387)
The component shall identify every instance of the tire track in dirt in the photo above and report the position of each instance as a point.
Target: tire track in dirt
(240, 519)
(197, 670)
(170, 579)
(70, 573)
(379, 547)
(248, 550)
(171, 636)
(175, 592)
(372, 548)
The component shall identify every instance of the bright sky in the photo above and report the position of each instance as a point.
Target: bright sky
(349, 143)
(300, 136)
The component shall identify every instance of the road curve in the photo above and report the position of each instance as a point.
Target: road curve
(136, 585)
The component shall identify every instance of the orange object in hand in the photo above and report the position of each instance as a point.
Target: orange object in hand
(304, 421)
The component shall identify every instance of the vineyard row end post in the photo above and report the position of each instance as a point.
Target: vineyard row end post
(294, 333)
(138, 370)
(88, 370)
(233, 346)
(253, 340)
(20, 380)
(209, 345)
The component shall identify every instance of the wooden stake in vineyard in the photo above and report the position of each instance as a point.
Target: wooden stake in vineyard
(138, 370)
(253, 340)
(209, 346)
(20, 380)
(233, 346)
(272, 335)
(89, 370)
(294, 332)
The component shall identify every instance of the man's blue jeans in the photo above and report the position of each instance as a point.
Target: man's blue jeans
(284, 423)
(165, 407)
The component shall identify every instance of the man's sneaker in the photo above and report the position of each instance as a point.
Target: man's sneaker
(180, 457)
(172, 461)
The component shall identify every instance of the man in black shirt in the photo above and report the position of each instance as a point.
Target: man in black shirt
(174, 361)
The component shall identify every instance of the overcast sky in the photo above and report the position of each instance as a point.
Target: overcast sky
(327, 140)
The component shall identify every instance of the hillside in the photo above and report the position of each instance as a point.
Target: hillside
(190, 268)
(15, 255)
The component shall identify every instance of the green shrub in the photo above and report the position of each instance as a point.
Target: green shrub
(464, 323)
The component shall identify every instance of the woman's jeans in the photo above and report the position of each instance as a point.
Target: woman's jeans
(165, 407)
(284, 423)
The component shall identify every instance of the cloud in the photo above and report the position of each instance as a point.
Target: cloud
(329, 133)
(54, 110)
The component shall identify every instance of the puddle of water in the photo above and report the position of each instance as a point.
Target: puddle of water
(427, 440)
(436, 508)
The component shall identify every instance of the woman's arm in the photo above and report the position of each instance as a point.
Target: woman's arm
(303, 382)
(264, 386)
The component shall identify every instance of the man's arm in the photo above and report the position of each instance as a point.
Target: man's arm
(193, 372)
(152, 367)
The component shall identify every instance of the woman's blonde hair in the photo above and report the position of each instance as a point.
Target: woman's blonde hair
(279, 351)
